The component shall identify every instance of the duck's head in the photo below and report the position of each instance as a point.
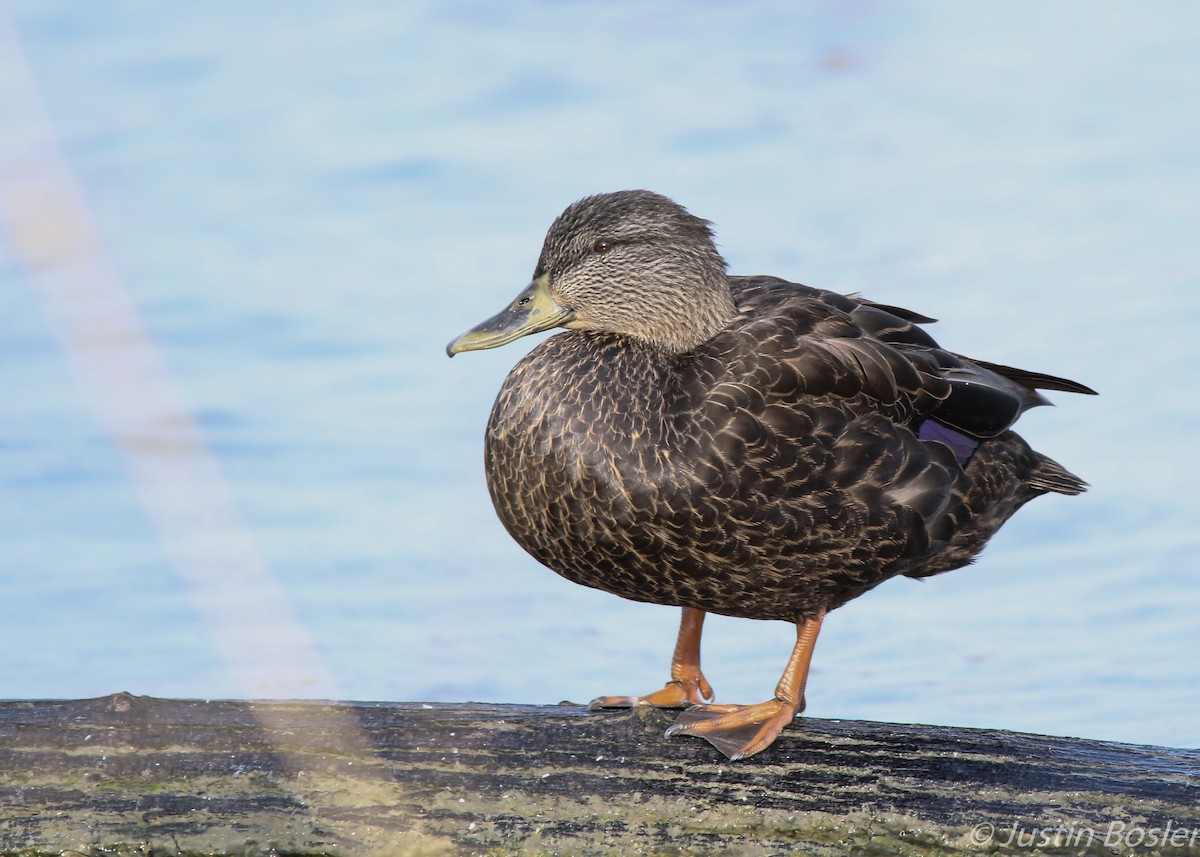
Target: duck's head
(633, 263)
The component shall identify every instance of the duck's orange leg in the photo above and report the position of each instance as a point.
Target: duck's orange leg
(739, 731)
(687, 686)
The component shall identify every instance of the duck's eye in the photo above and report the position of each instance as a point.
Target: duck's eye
(602, 245)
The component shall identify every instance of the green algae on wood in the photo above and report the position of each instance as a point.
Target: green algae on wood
(127, 774)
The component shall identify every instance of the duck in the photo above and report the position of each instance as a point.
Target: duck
(740, 445)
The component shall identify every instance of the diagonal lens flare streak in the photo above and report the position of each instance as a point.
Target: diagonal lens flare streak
(248, 615)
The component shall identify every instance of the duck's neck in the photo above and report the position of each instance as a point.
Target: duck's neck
(694, 318)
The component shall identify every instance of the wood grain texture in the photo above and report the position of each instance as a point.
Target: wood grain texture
(126, 774)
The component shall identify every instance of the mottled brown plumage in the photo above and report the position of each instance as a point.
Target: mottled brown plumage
(740, 445)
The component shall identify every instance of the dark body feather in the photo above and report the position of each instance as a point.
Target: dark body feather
(816, 446)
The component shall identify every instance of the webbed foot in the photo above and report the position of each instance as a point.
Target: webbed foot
(738, 731)
(676, 694)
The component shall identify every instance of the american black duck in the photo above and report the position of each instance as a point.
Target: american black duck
(739, 445)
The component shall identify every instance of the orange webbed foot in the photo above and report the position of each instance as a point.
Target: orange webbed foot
(738, 731)
(676, 694)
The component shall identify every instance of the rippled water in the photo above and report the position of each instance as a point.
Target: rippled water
(304, 202)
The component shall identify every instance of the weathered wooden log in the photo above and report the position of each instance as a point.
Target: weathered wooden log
(126, 774)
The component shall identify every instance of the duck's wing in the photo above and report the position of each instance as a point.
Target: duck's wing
(840, 425)
(847, 346)
(803, 425)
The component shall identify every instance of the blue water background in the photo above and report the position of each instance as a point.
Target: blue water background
(306, 201)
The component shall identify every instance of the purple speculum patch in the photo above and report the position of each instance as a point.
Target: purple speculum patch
(960, 444)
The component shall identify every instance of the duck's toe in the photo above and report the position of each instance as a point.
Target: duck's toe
(676, 694)
(738, 731)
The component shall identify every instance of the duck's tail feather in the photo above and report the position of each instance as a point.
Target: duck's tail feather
(1049, 475)
(1036, 380)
